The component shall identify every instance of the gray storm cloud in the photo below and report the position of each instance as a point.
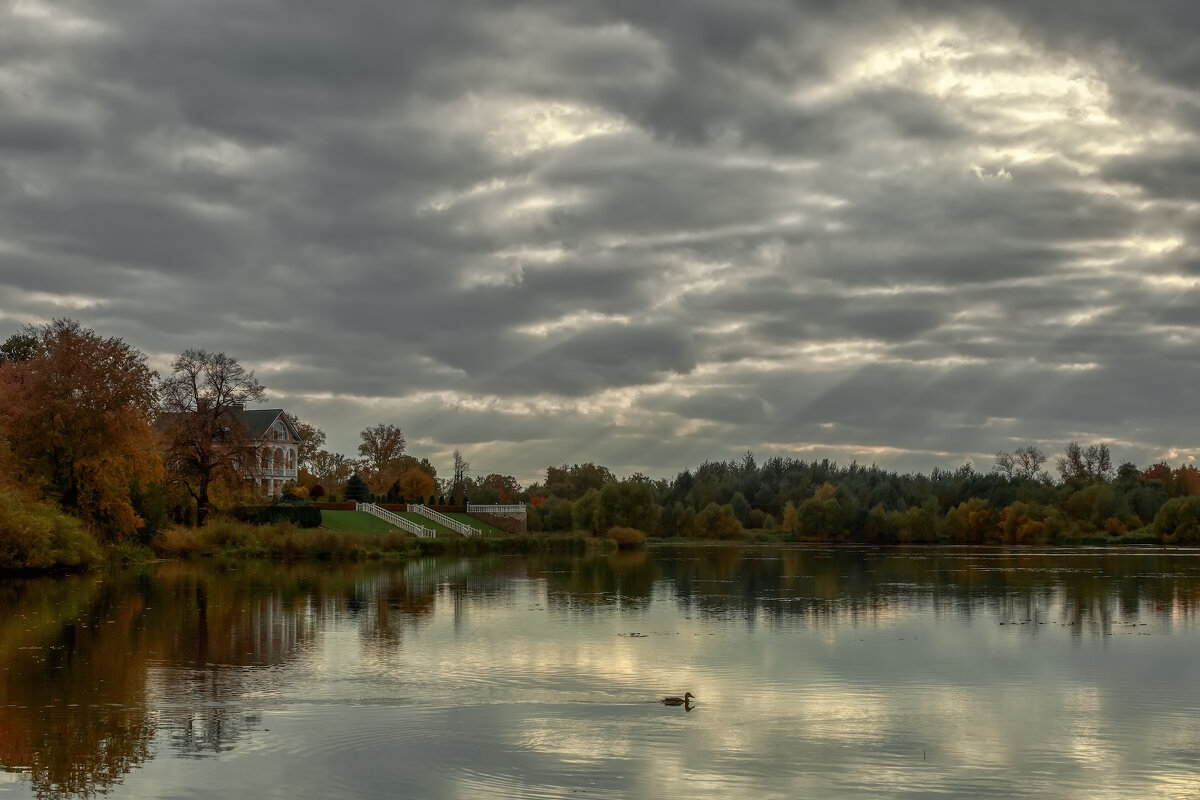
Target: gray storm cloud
(640, 234)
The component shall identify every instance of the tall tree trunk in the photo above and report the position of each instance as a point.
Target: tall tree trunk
(202, 502)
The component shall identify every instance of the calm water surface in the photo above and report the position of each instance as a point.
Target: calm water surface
(819, 673)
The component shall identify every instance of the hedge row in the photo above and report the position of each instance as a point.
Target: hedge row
(304, 516)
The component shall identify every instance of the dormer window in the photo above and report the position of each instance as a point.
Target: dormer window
(279, 431)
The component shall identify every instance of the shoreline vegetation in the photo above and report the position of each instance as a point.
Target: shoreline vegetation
(36, 536)
(226, 538)
(92, 475)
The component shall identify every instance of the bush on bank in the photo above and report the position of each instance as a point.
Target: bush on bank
(37, 535)
(627, 538)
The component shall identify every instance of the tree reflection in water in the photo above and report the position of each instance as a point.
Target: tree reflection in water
(74, 689)
(93, 667)
(96, 669)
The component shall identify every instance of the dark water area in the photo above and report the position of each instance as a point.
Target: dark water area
(819, 672)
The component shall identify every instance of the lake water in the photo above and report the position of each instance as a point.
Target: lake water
(818, 672)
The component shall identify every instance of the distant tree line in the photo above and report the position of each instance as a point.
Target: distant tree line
(1016, 502)
(98, 449)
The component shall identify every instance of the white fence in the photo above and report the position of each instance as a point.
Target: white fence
(440, 518)
(396, 519)
(509, 509)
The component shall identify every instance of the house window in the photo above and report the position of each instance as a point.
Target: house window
(279, 431)
(291, 459)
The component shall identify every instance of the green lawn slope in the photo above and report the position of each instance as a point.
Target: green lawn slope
(362, 522)
(442, 530)
(488, 530)
(354, 522)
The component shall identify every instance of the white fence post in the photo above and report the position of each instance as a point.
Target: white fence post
(396, 519)
(514, 508)
(442, 519)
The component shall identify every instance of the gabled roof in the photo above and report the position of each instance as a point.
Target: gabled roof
(259, 421)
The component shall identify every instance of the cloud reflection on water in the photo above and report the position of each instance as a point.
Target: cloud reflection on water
(817, 671)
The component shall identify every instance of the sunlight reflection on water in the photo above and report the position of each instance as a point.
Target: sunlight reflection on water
(817, 672)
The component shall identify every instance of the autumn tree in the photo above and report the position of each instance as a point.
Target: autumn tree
(204, 431)
(1178, 521)
(821, 516)
(505, 486)
(1020, 523)
(393, 476)
(416, 484)
(971, 522)
(791, 521)
(717, 522)
(34, 533)
(331, 469)
(426, 466)
(76, 410)
(312, 439)
(1158, 471)
(382, 451)
(1187, 480)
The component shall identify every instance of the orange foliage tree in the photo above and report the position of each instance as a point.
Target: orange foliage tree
(416, 484)
(1179, 482)
(1187, 480)
(77, 416)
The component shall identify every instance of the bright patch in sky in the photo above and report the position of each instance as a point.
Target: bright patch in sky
(628, 233)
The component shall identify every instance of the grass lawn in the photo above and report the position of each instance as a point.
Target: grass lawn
(354, 522)
(488, 530)
(362, 522)
(442, 530)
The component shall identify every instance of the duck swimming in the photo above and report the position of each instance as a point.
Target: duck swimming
(678, 701)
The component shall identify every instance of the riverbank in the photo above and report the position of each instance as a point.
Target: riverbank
(225, 538)
(287, 542)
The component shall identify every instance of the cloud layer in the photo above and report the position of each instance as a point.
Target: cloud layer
(641, 234)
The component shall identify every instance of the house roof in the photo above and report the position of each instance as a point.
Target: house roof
(259, 421)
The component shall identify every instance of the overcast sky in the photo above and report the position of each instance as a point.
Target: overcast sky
(643, 234)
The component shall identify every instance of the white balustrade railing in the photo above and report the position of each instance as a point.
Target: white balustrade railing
(274, 473)
(516, 508)
(440, 518)
(396, 519)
